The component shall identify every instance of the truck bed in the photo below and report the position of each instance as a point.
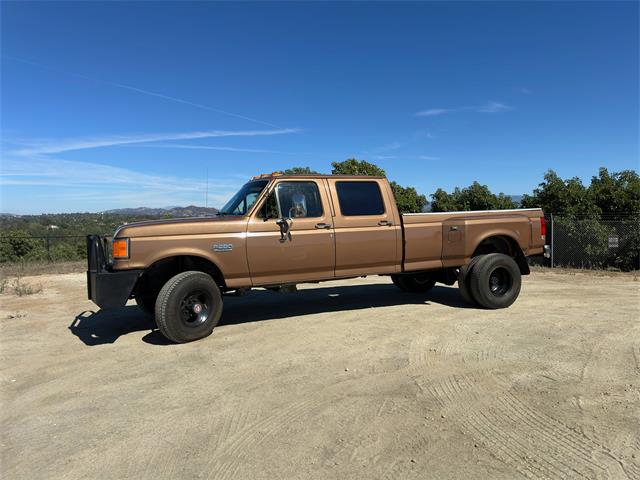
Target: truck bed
(449, 239)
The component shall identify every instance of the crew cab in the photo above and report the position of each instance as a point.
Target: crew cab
(282, 230)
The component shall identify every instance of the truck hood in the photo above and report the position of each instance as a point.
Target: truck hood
(183, 226)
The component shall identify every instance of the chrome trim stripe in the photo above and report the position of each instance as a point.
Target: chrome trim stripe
(474, 211)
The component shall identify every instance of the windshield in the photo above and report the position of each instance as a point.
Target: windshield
(242, 201)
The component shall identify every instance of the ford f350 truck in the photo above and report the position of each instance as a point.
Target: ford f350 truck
(282, 230)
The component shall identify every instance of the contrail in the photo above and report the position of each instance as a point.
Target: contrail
(140, 90)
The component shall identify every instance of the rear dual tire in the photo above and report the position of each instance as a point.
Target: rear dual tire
(464, 281)
(492, 281)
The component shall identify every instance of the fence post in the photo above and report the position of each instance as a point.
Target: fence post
(553, 239)
(49, 247)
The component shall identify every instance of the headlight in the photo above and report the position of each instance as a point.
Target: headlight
(120, 248)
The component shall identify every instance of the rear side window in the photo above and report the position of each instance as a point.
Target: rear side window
(360, 198)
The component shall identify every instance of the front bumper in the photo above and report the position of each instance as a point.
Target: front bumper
(107, 288)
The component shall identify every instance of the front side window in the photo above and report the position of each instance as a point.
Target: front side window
(360, 198)
(299, 199)
(241, 202)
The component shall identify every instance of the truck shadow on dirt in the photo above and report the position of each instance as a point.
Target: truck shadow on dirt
(264, 305)
(106, 327)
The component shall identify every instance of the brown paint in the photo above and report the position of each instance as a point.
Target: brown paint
(353, 246)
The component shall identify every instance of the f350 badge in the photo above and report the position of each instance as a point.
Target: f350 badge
(222, 247)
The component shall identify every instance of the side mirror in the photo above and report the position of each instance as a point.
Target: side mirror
(285, 227)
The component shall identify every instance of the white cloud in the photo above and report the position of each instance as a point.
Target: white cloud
(58, 146)
(489, 107)
(427, 157)
(432, 112)
(390, 146)
(140, 90)
(208, 147)
(494, 107)
(84, 186)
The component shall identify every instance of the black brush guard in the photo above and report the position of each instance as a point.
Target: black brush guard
(106, 287)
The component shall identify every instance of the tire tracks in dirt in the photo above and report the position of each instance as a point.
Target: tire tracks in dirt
(233, 451)
(533, 443)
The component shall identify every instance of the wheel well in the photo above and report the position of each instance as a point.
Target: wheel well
(507, 246)
(156, 275)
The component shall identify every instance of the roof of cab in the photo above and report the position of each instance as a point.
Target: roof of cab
(319, 175)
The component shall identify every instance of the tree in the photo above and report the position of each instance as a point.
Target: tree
(407, 198)
(581, 234)
(617, 193)
(300, 171)
(580, 242)
(564, 197)
(473, 197)
(19, 245)
(357, 167)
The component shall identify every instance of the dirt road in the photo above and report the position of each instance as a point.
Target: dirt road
(349, 379)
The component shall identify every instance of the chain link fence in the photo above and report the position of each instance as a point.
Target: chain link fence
(606, 242)
(53, 248)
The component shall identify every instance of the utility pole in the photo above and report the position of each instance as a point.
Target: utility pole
(50, 228)
(553, 240)
(206, 195)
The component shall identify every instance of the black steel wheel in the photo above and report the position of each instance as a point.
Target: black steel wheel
(495, 281)
(195, 308)
(189, 306)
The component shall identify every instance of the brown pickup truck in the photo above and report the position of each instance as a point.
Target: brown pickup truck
(281, 230)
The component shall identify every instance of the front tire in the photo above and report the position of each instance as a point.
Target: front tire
(188, 307)
(418, 283)
(495, 281)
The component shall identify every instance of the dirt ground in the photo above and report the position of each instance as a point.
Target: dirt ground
(348, 379)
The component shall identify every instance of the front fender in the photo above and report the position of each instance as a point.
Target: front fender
(230, 256)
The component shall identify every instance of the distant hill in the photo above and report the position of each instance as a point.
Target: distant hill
(80, 224)
(188, 211)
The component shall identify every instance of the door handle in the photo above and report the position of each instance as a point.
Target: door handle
(385, 223)
(454, 228)
(323, 225)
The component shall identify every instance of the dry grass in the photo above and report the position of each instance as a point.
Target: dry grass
(584, 271)
(28, 269)
(19, 287)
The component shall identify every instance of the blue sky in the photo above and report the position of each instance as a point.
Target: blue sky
(108, 105)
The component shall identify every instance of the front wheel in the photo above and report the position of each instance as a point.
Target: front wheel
(189, 306)
(495, 281)
(418, 283)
